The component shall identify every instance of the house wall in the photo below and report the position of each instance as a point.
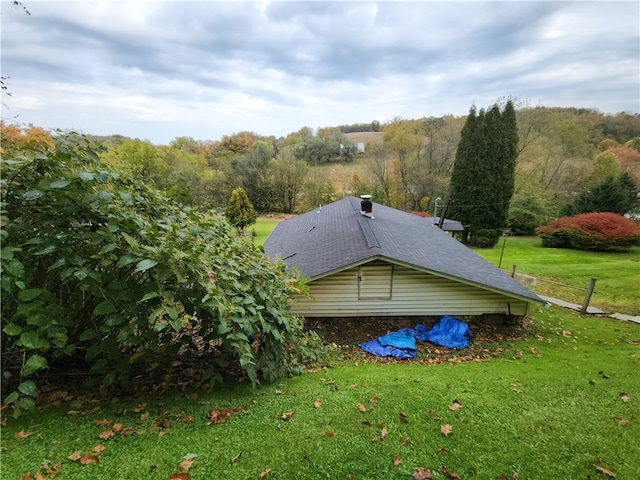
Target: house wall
(412, 293)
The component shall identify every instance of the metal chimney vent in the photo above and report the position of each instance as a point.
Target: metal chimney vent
(366, 206)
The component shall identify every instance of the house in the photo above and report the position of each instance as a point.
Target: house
(367, 260)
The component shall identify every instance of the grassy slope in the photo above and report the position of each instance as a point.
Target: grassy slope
(617, 274)
(550, 406)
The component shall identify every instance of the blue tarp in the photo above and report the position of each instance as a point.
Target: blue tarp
(447, 332)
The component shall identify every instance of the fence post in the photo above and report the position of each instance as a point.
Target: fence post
(587, 296)
(513, 271)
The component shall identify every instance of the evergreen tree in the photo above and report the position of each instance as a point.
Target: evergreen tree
(482, 181)
(615, 195)
(239, 211)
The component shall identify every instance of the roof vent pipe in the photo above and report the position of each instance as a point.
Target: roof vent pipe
(366, 206)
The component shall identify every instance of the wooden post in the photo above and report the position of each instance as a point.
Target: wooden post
(443, 214)
(587, 296)
(513, 271)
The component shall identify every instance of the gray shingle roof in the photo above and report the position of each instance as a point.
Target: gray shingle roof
(337, 236)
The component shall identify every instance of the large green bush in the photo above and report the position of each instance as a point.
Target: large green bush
(591, 231)
(102, 273)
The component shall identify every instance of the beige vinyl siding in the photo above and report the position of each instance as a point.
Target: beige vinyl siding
(412, 293)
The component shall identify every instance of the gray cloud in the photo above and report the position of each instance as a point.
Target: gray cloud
(162, 69)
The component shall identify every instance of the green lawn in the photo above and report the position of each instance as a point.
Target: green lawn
(617, 274)
(262, 228)
(557, 403)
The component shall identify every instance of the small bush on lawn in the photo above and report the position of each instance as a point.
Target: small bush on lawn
(600, 231)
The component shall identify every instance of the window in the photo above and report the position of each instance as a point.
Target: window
(375, 282)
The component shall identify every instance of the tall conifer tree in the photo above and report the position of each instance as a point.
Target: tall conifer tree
(482, 180)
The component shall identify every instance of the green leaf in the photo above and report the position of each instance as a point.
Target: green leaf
(33, 364)
(88, 335)
(29, 294)
(13, 396)
(104, 308)
(145, 265)
(27, 388)
(59, 183)
(126, 259)
(12, 329)
(149, 296)
(107, 248)
(87, 176)
(30, 339)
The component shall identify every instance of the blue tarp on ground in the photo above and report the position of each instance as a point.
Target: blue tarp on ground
(447, 332)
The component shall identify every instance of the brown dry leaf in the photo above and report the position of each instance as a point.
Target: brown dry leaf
(623, 422)
(22, 434)
(450, 475)
(27, 476)
(624, 397)
(99, 448)
(117, 427)
(144, 416)
(106, 434)
(103, 423)
(89, 459)
(566, 334)
(362, 408)
(517, 390)
(286, 415)
(221, 415)
(127, 431)
(55, 442)
(140, 408)
(50, 469)
(40, 477)
(374, 399)
(317, 403)
(383, 433)
(455, 405)
(236, 458)
(404, 440)
(329, 434)
(75, 456)
(446, 429)
(397, 461)
(185, 464)
(514, 474)
(442, 450)
(180, 476)
(606, 471)
(403, 417)
(422, 474)
(188, 419)
(265, 472)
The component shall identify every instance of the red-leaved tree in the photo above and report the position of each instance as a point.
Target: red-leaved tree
(600, 231)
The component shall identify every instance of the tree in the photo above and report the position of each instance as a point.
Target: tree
(239, 211)
(289, 176)
(482, 181)
(616, 195)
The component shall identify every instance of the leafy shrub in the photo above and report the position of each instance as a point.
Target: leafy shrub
(485, 238)
(102, 272)
(591, 231)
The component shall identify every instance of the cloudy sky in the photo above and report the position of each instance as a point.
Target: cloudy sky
(157, 70)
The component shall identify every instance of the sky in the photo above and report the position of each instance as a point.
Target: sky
(158, 70)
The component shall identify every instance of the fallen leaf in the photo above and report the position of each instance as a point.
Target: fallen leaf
(455, 406)
(383, 433)
(286, 415)
(606, 471)
(317, 403)
(236, 458)
(442, 450)
(623, 422)
(362, 408)
(450, 476)
(117, 427)
(265, 472)
(185, 464)
(446, 429)
(374, 399)
(624, 397)
(188, 419)
(127, 431)
(397, 461)
(535, 352)
(566, 334)
(329, 434)
(403, 417)
(75, 456)
(99, 448)
(106, 434)
(180, 476)
(514, 474)
(50, 469)
(422, 474)
(22, 434)
(404, 440)
(221, 415)
(517, 390)
(144, 416)
(27, 476)
(89, 459)
(103, 423)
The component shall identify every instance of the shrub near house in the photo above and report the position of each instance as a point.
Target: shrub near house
(600, 231)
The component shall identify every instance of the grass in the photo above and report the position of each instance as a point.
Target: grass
(616, 274)
(262, 228)
(561, 401)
